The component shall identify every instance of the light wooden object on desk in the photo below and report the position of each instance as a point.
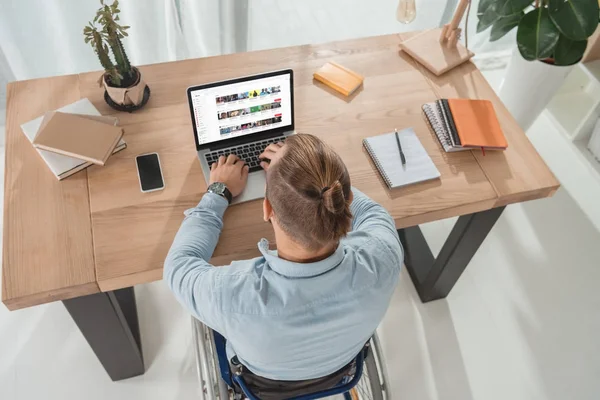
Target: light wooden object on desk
(48, 252)
(451, 32)
(438, 49)
(133, 231)
(436, 57)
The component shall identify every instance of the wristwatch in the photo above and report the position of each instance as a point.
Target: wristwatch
(220, 189)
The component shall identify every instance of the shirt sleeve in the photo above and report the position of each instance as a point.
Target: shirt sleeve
(189, 275)
(371, 218)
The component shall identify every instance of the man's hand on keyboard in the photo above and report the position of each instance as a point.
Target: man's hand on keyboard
(231, 171)
(271, 154)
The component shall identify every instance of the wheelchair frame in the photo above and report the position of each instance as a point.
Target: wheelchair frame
(212, 385)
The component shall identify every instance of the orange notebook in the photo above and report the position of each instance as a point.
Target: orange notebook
(477, 124)
(339, 78)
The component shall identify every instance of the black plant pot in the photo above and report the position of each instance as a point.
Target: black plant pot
(128, 99)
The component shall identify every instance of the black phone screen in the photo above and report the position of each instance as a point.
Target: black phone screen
(149, 171)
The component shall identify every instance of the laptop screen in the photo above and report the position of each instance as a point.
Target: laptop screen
(231, 110)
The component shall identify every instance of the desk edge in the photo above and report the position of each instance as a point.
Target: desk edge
(16, 303)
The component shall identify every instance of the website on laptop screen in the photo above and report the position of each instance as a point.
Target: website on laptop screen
(228, 111)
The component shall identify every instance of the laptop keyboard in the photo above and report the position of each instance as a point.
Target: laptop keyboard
(247, 152)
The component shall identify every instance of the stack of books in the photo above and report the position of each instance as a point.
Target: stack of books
(74, 137)
(463, 124)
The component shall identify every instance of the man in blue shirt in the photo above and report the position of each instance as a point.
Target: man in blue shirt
(307, 309)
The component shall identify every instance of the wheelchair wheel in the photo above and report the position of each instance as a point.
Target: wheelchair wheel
(212, 386)
(373, 384)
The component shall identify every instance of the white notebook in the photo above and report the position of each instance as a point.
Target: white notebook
(63, 166)
(385, 154)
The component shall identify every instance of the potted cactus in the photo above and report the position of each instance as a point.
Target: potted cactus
(124, 87)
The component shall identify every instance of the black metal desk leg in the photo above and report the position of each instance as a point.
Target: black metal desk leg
(434, 278)
(109, 323)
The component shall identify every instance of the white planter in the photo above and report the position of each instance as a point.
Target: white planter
(529, 86)
(594, 144)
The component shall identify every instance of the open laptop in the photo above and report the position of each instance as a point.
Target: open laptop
(242, 116)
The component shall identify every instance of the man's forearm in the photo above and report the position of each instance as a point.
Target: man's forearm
(199, 232)
(187, 270)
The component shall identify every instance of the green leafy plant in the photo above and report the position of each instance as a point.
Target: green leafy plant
(119, 72)
(554, 31)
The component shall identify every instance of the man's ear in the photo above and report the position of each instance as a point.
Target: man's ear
(267, 210)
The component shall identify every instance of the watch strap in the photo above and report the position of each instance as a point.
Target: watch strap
(212, 188)
(227, 195)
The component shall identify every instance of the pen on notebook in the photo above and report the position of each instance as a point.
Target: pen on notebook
(400, 148)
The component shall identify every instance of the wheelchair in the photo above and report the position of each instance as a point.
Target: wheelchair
(368, 378)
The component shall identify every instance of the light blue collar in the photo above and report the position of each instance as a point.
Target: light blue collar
(300, 270)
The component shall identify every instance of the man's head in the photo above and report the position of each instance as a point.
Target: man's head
(308, 193)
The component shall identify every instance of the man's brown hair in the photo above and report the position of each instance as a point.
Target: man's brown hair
(309, 191)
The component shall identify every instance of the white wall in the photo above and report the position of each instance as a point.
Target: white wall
(44, 38)
(277, 23)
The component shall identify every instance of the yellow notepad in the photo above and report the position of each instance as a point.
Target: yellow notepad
(339, 78)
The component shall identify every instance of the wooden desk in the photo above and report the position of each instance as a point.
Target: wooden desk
(95, 232)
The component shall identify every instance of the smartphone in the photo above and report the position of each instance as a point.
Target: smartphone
(149, 172)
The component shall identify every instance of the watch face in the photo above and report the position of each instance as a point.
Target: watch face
(217, 188)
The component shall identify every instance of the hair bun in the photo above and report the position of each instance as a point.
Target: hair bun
(333, 198)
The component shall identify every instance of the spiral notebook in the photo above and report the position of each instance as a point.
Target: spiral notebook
(385, 154)
(436, 119)
(465, 124)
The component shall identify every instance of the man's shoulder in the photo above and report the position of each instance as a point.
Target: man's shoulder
(374, 247)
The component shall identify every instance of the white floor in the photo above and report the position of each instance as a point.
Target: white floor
(522, 323)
